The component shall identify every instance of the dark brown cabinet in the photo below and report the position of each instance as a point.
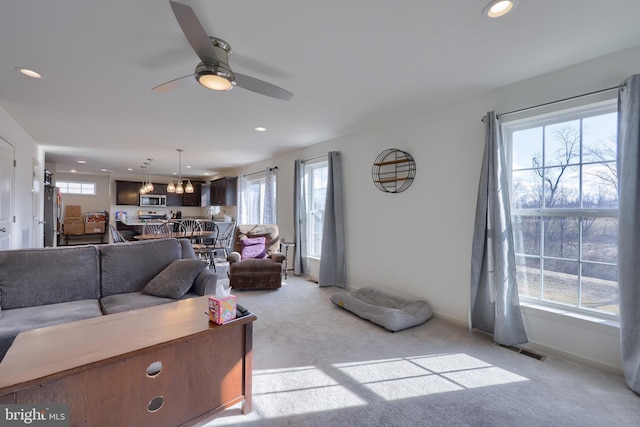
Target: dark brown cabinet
(174, 199)
(223, 191)
(128, 193)
(186, 199)
(193, 199)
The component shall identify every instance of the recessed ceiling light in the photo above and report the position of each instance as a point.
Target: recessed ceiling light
(174, 173)
(498, 8)
(261, 129)
(82, 161)
(188, 167)
(73, 170)
(30, 73)
(207, 174)
(129, 169)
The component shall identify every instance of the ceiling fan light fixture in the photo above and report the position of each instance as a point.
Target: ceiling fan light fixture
(215, 77)
(214, 82)
(498, 8)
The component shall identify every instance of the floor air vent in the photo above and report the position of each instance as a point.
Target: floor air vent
(524, 352)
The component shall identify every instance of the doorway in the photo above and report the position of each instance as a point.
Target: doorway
(7, 153)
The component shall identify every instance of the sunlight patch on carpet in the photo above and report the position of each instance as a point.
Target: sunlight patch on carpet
(404, 378)
(311, 389)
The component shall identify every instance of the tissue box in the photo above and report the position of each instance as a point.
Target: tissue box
(222, 309)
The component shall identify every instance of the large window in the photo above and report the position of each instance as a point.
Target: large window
(82, 188)
(255, 201)
(316, 191)
(564, 203)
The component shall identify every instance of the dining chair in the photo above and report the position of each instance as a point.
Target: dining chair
(190, 226)
(115, 235)
(224, 241)
(204, 245)
(159, 229)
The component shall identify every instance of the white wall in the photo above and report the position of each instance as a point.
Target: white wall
(88, 203)
(26, 150)
(419, 241)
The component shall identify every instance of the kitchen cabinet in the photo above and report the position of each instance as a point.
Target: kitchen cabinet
(223, 191)
(186, 199)
(174, 199)
(128, 193)
(193, 199)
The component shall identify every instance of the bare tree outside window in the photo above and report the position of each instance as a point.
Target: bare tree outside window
(564, 204)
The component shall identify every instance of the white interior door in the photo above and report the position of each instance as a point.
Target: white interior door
(37, 220)
(6, 193)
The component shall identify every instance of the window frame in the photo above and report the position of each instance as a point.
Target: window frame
(312, 232)
(261, 182)
(64, 185)
(555, 116)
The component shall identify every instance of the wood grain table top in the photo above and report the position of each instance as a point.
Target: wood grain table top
(54, 351)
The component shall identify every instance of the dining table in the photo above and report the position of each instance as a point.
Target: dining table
(174, 234)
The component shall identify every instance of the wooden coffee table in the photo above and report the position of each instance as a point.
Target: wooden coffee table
(163, 366)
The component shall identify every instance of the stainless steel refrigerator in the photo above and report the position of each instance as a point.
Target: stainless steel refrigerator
(52, 214)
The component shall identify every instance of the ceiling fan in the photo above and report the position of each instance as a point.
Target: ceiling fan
(213, 71)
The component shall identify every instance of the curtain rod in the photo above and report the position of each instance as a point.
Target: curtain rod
(262, 171)
(315, 158)
(595, 92)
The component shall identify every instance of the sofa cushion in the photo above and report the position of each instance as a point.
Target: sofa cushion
(253, 247)
(128, 267)
(70, 274)
(18, 320)
(176, 279)
(134, 301)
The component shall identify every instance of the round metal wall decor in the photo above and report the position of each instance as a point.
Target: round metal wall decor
(393, 171)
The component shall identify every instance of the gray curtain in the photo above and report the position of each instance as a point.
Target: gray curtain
(495, 307)
(333, 259)
(629, 229)
(299, 219)
(270, 216)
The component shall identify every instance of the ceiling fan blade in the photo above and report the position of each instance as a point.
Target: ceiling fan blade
(174, 84)
(194, 32)
(262, 87)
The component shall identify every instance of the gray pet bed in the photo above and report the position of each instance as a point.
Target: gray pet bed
(389, 311)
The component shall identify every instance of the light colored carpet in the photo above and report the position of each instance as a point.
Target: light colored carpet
(318, 365)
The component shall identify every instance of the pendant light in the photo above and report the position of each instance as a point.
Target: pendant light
(179, 188)
(149, 187)
(143, 188)
(189, 187)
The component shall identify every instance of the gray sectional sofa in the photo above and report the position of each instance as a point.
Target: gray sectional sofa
(48, 286)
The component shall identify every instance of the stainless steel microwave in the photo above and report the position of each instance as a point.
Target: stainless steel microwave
(153, 200)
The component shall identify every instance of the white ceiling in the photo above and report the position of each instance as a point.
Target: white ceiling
(350, 64)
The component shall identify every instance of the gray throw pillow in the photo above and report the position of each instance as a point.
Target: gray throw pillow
(176, 279)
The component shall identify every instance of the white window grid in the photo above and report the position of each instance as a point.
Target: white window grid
(582, 216)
